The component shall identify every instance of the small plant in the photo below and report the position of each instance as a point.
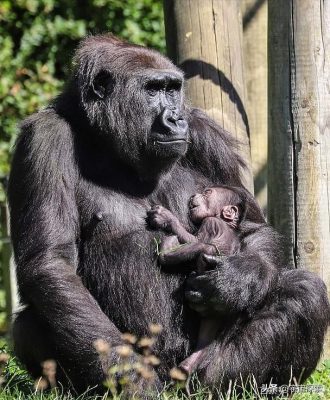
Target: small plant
(121, 375)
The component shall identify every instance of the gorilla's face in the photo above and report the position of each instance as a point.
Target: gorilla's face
(203, 205)
(134, 97)
(169, 129)
(210, 203)
(146, 119)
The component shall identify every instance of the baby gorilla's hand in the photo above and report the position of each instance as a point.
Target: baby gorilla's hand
(160, 218)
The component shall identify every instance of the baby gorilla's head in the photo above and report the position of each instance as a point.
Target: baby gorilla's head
(231, 204)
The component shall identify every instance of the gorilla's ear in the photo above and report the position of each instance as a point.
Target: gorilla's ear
(229, 213)
(103, 84)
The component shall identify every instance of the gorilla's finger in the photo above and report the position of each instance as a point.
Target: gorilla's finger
(199, 281)
(192, 275)
(190, 282)
(194, 296)
(212, 261)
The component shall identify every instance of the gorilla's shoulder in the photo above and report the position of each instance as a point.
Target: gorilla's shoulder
(44, 142)
(213, 150)
(44, 124)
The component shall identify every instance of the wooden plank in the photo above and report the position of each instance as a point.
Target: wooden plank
(205, 39)
(311, 115)
(255, 68)
(306, 39)
(281, 208)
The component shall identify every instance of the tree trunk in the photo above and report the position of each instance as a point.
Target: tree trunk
(255, 67)
(204, 38)
(299, 126)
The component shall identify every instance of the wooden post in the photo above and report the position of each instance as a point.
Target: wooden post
(255, 64)
(205, 39)
(299, 126)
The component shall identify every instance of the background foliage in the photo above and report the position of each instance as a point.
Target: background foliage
(37, 40)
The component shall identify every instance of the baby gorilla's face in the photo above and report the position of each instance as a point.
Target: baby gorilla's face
(208, 204)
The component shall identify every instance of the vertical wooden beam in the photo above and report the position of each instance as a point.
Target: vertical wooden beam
(299, 125)
(281, 208)
(205, 39)
(255, 64)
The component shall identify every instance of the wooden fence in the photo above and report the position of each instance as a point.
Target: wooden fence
(222, 47)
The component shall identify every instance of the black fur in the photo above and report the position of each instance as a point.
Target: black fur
(84, 174)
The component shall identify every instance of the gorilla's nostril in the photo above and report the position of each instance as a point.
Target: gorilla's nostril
(171, 123)
(172, 117)
(169, 117)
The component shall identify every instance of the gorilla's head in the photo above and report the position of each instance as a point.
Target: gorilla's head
(134, 97)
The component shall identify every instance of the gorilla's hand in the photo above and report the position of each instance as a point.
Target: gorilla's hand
(160, 217)
(203, 291)
(231, 284)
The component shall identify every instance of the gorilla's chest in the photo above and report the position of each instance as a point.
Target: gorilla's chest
(107, 215)
(117, 253)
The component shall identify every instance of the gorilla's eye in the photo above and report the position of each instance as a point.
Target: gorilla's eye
(153, 87)
(171, 92)
(173, 88)
(152, 92)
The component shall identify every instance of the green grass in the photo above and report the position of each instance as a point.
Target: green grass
(17, 385)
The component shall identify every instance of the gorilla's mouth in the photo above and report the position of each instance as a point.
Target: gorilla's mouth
(168, 146)
(172, 141)
(192, 206)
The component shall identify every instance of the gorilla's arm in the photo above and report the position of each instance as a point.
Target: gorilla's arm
(44, 226)
(290, 329)
(159, 217)
(239, 282)
(185, 254)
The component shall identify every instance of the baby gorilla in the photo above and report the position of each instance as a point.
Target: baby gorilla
(219, 212)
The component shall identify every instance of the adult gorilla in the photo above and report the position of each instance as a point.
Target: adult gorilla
(85, 171)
